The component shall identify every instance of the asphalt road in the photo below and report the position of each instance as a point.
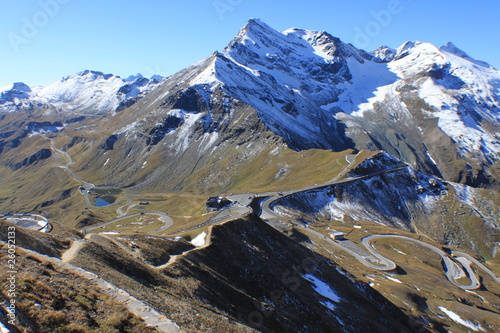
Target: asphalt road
(161, 216)
(455, 268)
(376, 261)
(268, 213)
(458, 255)
(452, 269)
(87, 186)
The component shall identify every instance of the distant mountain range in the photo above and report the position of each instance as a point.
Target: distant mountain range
(402, 140)
(435, 108)
(87, 92)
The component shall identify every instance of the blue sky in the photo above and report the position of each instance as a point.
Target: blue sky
(44, 40)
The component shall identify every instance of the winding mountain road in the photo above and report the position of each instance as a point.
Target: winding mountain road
(167, 220)
(86, 185)
(373, 260)
(454, 270)
(456, 267)
(461, 256)
(29, 221)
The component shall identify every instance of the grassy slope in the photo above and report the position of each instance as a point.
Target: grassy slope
(423, 286)
(55, 300)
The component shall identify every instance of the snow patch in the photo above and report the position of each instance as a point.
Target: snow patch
(456, 318)
(399, 251)
(457, 123)
(3, 328)
(324, 290)
(431, 158)
(393, 279)
(199, 240)
(207, 75)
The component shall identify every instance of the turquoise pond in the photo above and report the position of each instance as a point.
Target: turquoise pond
(99, 202)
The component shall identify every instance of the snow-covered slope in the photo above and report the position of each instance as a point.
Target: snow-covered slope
(445, 106)
(415, 101)
(316, 91)
(403, 198)
(15, 96)
(85, 92)
(434, 108)
(463, 93)
(298, 80)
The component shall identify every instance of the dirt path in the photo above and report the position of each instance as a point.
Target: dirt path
(71, 253)
(150, 316)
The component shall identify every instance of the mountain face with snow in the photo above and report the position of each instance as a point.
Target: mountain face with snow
(87, 92)
(404, 199)
(424, 105)
(434, 108)
(272, 112)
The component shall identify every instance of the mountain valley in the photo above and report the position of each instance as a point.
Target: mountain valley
(307, 137)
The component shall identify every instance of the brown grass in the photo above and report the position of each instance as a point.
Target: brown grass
(55, 300)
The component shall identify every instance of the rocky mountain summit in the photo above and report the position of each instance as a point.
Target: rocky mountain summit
(306, 138)
(85, 92)
(435, 108)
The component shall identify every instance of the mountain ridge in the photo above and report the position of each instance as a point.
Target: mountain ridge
(310, 138)
(425, 105)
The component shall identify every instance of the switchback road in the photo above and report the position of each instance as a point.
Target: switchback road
(167, 220)
(456, 267)
(453, 269)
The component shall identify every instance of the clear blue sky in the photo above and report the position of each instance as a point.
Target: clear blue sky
(41, 42)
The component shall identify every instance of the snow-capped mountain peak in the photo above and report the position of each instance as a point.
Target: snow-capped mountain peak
(316, 91)
(451, 48)
(87, 91)
(90, 75)
(303, 83)
(16, 86)
(156, 78)
(384, 54)
(15, 94)
(133, 77)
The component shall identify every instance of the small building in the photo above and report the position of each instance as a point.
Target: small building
(144, 203)
(337, 235)
(216, 203)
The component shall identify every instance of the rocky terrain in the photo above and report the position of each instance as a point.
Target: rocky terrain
(306, 135)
